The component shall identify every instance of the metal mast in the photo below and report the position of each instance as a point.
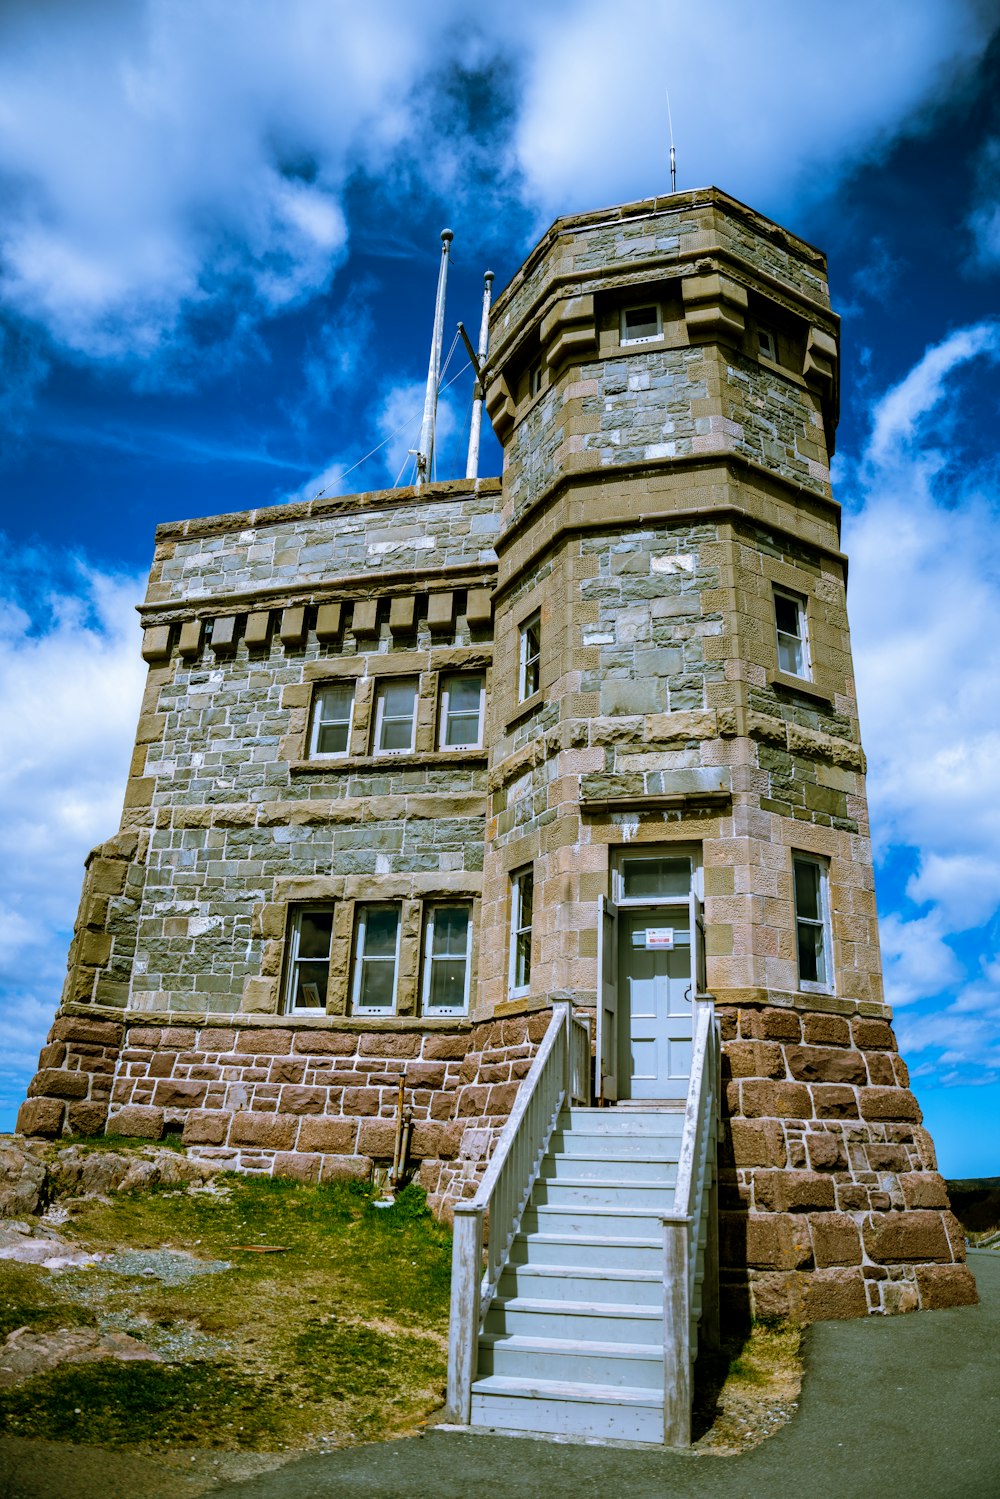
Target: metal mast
(425, 452)
(472, 464)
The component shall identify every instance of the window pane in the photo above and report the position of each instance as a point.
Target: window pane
(812, 959)
(790, 655)
(331, 739)
(398, 699)
(377, 984)
(807, 890)
(786, 612)
(522, 960)
(396, 736)
(381, 923)
(462, 730)
(315, 930)
(447, 983)
(531, 638)
(451, 931)
(651, 879)
(335, 703)
(641, 322)
(526, 889)
(311, 979)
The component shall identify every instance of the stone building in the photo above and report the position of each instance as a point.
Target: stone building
(413, 766)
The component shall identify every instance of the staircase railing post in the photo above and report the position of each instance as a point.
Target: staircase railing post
(676, 1336)
(564, 1008)
(463, 1329)
(710, 1315)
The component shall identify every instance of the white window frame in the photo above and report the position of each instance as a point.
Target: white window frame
(430, 913)
(384, 683)
(293, 960)
(822, 923)
(767, 343)
(656, 851)
(318, 721)
(444, 711)
(529, 665)
(518, 879)
(360, 931)
(799, 603)
(644, 338)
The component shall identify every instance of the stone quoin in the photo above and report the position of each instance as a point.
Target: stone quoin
(408, 760)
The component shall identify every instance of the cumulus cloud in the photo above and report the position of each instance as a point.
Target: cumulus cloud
(163, 159)
(70, 681)
(924, 542)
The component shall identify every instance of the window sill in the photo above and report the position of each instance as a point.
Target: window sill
(802, 685)
(458, 759)
(525, 708)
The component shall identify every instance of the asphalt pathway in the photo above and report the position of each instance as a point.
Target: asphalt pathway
(905, 1408)
(902, 1408)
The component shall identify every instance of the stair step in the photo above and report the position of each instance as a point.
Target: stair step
(570, 1409)
(572, 1191)
(642, 1251)
(580, 1218)
(582, 1322)
(597, 1164)
(610, 1363)
(628, 1122)
(579, 1282)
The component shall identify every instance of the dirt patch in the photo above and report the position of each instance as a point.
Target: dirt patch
(748, 1390)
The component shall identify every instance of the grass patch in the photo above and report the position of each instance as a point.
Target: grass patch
(340, 1335)
(748, 1388)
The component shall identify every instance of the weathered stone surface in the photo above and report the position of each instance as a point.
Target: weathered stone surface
(901, 1238)
(328, 1136)
(825, 1064)
(826, 1030)
(946, 1285)
(270, 1131)
(776, 1242)
(835, 1239)
(58, 1082)
(22, 1179)
(325, 1043)
(27, 1354)
(137, 1119)
(387, 1044)
(831, 1295)
(888, 1103)
(176, 1093)
(41, 1116)
(206, 1127)
(84, 1118)
(775, 1100)
(923, 1189)
(834, 1101)
(264, 1042)
(757, 1142)
(377, 1137)
(792, 1191)
(826, 1152)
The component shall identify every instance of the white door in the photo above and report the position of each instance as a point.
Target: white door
(656, 986)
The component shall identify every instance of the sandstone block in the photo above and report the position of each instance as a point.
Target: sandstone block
(206, 1127)
(390, 1044)
(52, 1055)
(445, 1048)
(923, 1189)
(776, 1294)
(835, 1239)
(777, 1242)
(873, 1035)
(346, 1167)
(892, 1238)
(270, 1131)
(775, 1100)
(946, 1285)
(833, 1295)
(377, 1137)
(299, 1167)
(881, 1072)
(826, 1152)
(792, 1191)
(890, 1158)
(58, 1082)
(834, 1101)
(287, 1070)
(899, 1296)
(299, 1100)
(92, 1032)
(757, 1142)
(87, 1118)
(143, 1036)
(472, 1102)
(328, 1136)
(888, 1103)
(325, 1043)
(501, 1099)
(40, 1116)
(771, 1025)
(137, 1119)
(213, 1039)
(753, 1059)
(178, 1093)
(826, 1064)
(826, 1030)
(361, 1101)
(264, 1042)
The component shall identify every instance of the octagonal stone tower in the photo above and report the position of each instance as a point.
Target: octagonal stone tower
(415, 766)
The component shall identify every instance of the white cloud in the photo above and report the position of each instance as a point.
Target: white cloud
(924, 544)
(159, 157)
(71, 677)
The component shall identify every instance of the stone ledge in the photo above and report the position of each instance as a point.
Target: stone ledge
(247, 1020)
(415, 760)
(827, 1004)
(786, 682)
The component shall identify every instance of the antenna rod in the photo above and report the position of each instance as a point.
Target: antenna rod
(425, 451)
(673, 153)
(472, 464)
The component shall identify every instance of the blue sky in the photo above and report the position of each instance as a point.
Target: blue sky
(218, 249)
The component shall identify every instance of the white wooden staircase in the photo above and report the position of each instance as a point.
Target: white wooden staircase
(573, 1342)
(586, 1325)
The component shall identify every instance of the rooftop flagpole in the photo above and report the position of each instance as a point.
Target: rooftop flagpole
(472, 465)
(425, 452)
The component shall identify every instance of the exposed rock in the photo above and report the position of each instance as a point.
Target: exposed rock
(22, 1179)
(26, 1353)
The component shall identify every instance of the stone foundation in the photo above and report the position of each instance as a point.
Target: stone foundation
(292, 1101)
(830, 1202)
